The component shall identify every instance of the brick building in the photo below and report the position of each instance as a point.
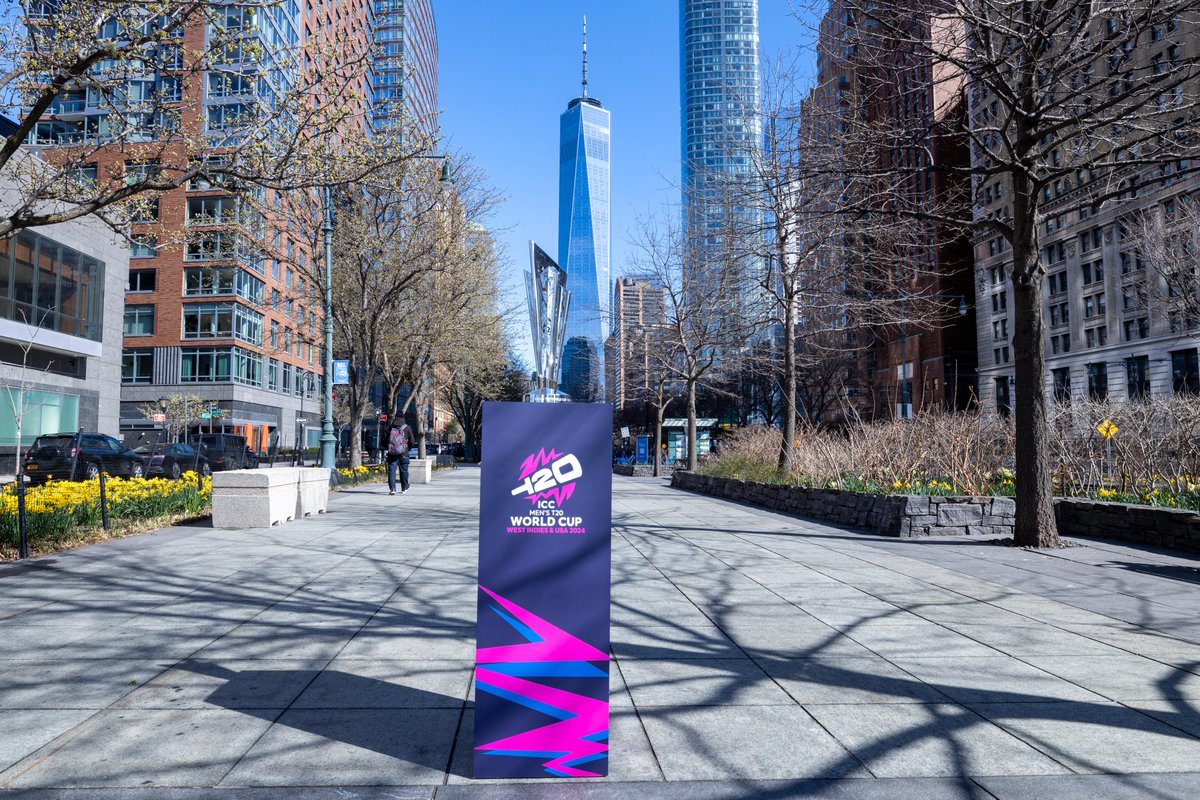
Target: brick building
(217, 302)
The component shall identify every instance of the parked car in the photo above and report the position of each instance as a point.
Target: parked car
(173, 460)
(225, 451)
(51, 455)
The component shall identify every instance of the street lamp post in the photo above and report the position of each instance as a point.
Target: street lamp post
(328, 440)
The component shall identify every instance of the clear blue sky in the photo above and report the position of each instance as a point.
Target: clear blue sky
(508, 70)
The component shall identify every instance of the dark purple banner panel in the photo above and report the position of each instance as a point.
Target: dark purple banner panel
(545, 516)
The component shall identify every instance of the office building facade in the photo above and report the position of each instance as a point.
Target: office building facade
(61, 295)
(406, 67)
(639, 313)
(584, 241)
(219, 303)
(721, 129)
(1110, 330)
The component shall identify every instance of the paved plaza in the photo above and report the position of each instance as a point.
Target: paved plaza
(756, 656)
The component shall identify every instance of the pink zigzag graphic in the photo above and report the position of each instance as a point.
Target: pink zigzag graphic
(566, 736)
(555, 645)
(559, 494)
(536, 461)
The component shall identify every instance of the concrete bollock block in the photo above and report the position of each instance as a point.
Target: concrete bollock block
(248, 498)
(420, 471)
(312, 491)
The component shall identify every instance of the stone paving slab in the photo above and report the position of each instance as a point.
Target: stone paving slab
(755, 655)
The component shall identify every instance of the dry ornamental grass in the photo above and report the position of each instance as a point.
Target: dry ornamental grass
(1153, 458)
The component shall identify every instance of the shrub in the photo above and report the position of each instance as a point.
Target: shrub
(1154, 458)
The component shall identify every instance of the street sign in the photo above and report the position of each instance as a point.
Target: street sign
(159, 418)
(206, 415)
(341, 372)
(383, 417)
(1107, 429)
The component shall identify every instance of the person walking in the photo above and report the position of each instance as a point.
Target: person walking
(399, 441)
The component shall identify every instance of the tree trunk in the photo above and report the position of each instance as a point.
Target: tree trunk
(692, 458)
(660, 411)
(357, 413)
(787, 452)
(1035, 525)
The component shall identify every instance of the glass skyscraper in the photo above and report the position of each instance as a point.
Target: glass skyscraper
(406, 65)
(719, 99)
(584, 240)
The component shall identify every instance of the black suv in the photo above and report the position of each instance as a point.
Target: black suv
(51, 455)
(225, 451)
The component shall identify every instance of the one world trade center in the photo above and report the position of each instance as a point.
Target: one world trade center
(584, 239)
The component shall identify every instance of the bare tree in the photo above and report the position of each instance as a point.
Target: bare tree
(706, 319)
(1167, 238)
(1071, 103)
(147, 67)
(383, 245)
(17, 386)
(436, 324)
(181, 411)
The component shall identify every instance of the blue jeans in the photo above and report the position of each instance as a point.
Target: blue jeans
(392, 464)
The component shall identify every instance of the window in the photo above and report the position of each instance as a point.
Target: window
(1000, 355)
(200, 281)
(51, 286)
(1094, 305)
(139, 320)
(144, 210)
(1185, 371)
(137, 365)
(143, 280)
(143, 246)
(1062, 384)
(1060, 344)
(1097, 375)
(1096, 337)
(1137, 372)
(1003, 396)
(1058, 282)
(1000, 329)
(1060, 314)
(205, 366)
(273, 375)
(1000, 302)
(1131, 263)
(222, 321)
(1136, 328)
(212, 210)
(1092, 272)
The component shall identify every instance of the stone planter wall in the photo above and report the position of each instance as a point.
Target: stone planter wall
(642, 470)
(912, 516)
(1162, 527)
(890, 515)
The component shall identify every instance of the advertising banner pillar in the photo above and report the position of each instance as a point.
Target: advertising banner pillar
(542, 645)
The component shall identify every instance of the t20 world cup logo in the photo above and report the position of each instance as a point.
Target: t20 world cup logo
(549, 476)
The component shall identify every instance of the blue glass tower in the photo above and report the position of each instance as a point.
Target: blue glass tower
(584, 239)
(721, 130)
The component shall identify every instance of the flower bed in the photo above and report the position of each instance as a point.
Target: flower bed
(353, 476)
(59, 511)
(910, 516)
